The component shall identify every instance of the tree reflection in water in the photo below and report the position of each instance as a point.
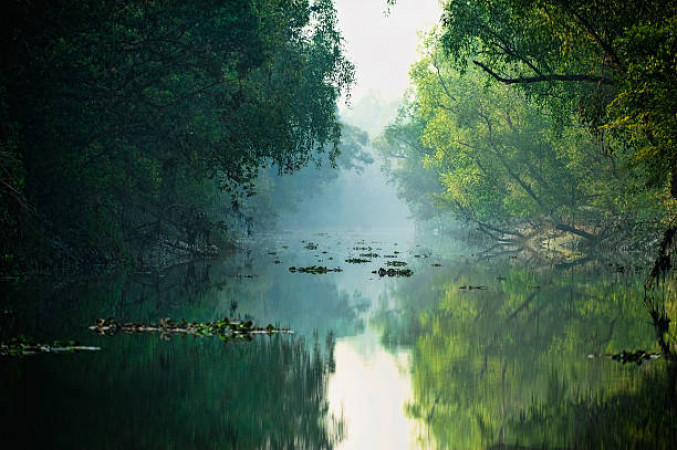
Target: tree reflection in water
(506, 367)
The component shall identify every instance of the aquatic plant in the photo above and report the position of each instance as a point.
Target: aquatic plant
(22, 346)
(396, 263)
(393, 272)
(224, 328)
(369, 255)
(314, 269)
(625, 356)
(357, 260)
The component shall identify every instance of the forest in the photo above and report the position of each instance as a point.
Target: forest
(211, 235)
(529, 117)
(140, 127)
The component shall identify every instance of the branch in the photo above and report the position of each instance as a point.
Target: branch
(545, 78)
(17, 196)
(587, 26)
(441, 79)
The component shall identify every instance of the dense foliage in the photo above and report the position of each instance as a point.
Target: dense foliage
(535, 114)
(612, 60)
(126, 123)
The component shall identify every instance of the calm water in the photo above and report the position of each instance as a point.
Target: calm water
(469, 352)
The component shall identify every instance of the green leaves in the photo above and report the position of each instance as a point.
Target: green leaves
(135, 115)
(506, 161)
(605, 63)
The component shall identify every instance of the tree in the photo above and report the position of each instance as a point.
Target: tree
(508, 163)
(609, 62)
(135, 116)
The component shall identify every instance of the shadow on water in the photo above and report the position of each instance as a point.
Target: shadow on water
(141, 392)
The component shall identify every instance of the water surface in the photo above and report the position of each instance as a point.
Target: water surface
(469, 352)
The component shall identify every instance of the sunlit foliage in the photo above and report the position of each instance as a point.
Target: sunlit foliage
(612, 63)
(507, 162)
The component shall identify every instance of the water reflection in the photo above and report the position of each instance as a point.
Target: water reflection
(499, 359)
(369, 391)
(141, 392)
(466, 353)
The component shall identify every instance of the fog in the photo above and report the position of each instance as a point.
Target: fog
(383, 45)
(354, 201)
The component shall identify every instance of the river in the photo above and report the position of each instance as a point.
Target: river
(472, 350)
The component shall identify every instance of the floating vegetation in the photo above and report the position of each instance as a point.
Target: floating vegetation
(637, 357)
(21, 346)
(369, 255)
(470, 288)
(314, 269)
(224, 328)
(396, 263)
(393, 272)
(310, 246)
(357, 260)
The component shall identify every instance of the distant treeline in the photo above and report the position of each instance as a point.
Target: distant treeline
(544, 115)
(125, 124)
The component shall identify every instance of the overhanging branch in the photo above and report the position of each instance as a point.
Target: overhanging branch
(545, 78)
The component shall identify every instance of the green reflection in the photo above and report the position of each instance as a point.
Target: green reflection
(142, 392)
(507, 366)
(185, 392)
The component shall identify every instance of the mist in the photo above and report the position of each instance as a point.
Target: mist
(356, 201)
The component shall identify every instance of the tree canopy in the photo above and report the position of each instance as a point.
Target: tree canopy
(123, 121)
(611, 62)
(534, 113)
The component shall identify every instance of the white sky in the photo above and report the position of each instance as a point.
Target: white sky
(383, 47)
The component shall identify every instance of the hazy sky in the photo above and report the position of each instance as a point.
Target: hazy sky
(383, 47)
